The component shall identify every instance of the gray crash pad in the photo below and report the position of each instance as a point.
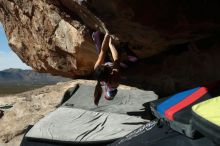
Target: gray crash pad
(74, 125)
(126, 100)
(78, 120)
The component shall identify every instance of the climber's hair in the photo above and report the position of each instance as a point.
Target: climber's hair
(97, 93)
(101, 73)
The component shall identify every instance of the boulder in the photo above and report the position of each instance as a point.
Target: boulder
(55, 35)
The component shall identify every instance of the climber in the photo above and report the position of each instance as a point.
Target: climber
(106, 71)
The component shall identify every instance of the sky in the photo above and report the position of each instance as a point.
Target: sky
(8, 59)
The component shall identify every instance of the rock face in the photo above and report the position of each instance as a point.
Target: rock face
(46, 38)
(55, 35)
(182, 67)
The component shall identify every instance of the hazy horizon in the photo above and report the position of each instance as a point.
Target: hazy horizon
(17, 68)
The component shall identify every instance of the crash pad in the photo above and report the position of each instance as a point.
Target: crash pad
(126, 100)
(158, 133)
(176, 109)
(78, 125)
(206, 118)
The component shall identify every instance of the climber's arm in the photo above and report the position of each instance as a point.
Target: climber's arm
(115, 55)
(113, 50)
(103, 51)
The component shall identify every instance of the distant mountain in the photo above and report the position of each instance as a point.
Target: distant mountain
(19, 76)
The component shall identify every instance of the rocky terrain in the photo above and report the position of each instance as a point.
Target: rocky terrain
(55, 35)
(21, 110)
(177, 43)
(27, 108)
